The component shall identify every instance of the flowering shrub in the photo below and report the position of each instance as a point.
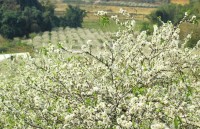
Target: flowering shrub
(135, 81)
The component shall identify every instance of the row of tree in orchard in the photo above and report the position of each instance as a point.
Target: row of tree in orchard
(21, 17)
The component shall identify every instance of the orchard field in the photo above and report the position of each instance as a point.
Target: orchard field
(72, 38)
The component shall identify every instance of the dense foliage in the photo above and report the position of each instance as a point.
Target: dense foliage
(23, 18)
(174, 12)
(135, 82)
(169, 12)
(73, 17)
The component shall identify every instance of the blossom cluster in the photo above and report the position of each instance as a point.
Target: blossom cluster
(101, 13)
(134, 82)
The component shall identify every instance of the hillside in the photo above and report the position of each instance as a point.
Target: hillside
(138, 1)
(135, 3)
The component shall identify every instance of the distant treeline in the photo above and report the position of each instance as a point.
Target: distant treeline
(140, 1)
(21, 17)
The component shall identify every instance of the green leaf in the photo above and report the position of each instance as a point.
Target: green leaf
(188, 92)
(69, 110)
(138, 90)
(88, 102)
(44, 51)
(59, 45)
(177, 122)
(104, 20)
(69, 59)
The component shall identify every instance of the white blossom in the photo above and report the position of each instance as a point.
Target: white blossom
(101, 13)
(136, 80)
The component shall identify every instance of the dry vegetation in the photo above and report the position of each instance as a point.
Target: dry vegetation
(139, 12)
(2, 40)
(180, 1)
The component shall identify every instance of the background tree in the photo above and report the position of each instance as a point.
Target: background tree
(1, 13)
(49, 19)
(27, 16)
(169, 12)
(33, 20)
(73, 17)
(9, 5)
(9, 24)
(175, 13)
(29, 3)
(194, 6)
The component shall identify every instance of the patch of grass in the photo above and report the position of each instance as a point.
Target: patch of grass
(2, 40)
(144, 26)
(32, 35)
(95, 24)
(3, 44)
(193, 29)
(15, 47)
(112, 27)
